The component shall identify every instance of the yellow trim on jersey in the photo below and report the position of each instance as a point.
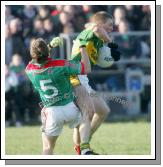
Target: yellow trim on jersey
(74, 80)
(90, 48)
(92, 52)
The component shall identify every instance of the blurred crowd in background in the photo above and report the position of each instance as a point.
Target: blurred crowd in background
(23, 23)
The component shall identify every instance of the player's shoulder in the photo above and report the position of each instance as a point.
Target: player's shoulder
(30, 66)
(50, 63)
(57, 62)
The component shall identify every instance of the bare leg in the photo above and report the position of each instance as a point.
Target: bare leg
(81, 135)
(86, 106)
(76, 136)
(101, 111)
(84, 128)
(48, 144)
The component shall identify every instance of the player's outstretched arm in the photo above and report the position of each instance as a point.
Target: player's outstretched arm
(85, 59)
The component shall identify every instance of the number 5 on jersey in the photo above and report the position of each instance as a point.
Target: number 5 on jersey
(45, 87)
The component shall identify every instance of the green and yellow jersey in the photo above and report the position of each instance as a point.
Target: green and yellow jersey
(92, 43)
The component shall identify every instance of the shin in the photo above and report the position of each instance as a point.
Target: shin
(48, 144)
(101, 112)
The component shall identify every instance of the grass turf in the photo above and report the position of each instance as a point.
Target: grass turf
(123, 138)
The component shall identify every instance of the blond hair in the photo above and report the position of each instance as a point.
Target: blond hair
(101, 16)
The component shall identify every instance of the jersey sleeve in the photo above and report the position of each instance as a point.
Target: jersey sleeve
(85, 36)
(74, 67)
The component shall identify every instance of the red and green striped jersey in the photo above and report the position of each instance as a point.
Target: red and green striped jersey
(52, 80)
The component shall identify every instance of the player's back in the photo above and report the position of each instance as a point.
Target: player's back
(52, 82)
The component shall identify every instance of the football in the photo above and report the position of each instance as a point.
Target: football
(104, 59)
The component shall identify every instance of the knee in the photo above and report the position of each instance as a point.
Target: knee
(103, 113)
(88, 112)
(87, 116)
(107, 110)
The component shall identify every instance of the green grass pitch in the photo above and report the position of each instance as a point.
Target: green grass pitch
(123, 138)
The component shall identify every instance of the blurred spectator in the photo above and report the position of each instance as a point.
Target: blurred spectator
(78, 18)
(50, 31)
(129, 46)
(134, 16)
(38, 28)
(29, 11)
(123, 26)
(87, 9)
(28, 30)
(25, 105)
(17, 11)
(11, 82)
(10, 79)
(79, 22)
(146, 19)
(119, 14)
(68, 29)
(70, 10)
(16, 26)
(17, 37)
(8, 15)
(64, 19)
(49, 28)
(43, 11)
(8, 45)
(56, 12)
(31, 105)
(17, 66)
(59, 7)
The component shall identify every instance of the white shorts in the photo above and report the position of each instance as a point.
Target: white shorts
(85, 82)
(53, 118)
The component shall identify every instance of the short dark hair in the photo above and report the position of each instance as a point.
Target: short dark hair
(39, 50)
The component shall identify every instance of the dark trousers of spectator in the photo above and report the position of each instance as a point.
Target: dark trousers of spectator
(11, 107)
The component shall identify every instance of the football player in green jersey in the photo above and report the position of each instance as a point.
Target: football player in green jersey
(94, 36)
(51, 78)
